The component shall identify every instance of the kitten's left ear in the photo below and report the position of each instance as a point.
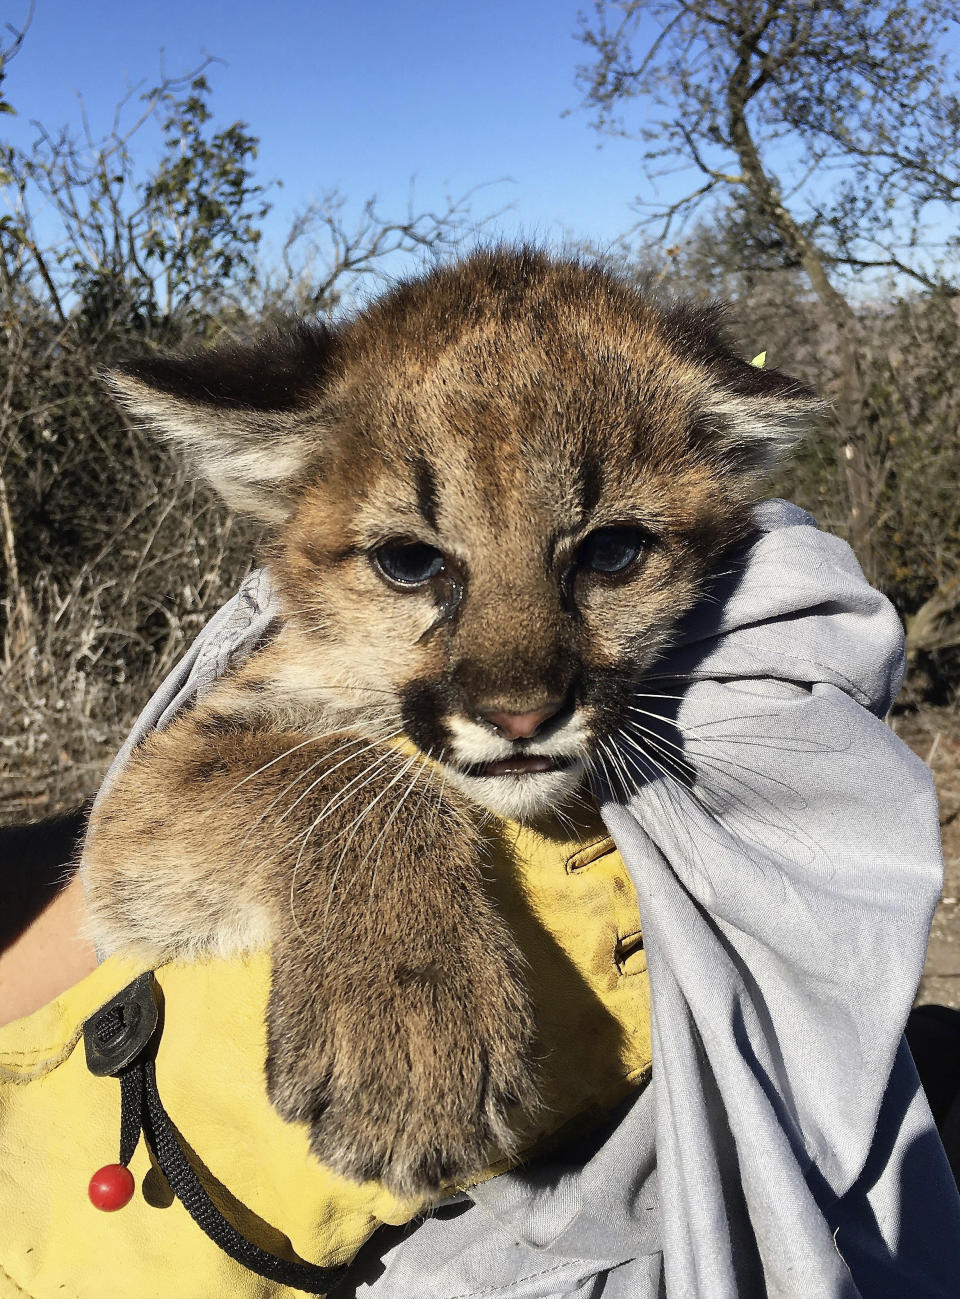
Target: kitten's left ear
(237, 410)
(753, 416)
(756, 417)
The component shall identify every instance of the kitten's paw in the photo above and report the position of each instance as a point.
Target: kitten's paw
(418, 1082)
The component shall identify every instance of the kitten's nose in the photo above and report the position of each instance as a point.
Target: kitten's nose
(521, 726)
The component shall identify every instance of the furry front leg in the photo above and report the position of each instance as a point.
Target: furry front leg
(399, 1026)
(400, 1029)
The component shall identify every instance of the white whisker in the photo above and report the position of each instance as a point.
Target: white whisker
(380, 739)
(351, 832)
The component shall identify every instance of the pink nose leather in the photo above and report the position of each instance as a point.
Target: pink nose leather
(521, 726)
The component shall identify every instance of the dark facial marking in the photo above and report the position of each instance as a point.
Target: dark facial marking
(590, 483)
(426, 486)
(423, 705)
(608, 694)
(448, 592)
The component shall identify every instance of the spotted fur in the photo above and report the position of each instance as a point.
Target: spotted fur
(512, 414)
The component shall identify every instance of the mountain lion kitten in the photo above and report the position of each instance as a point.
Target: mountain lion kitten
(491, 495)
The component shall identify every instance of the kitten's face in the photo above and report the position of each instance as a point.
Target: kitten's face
(496, 495)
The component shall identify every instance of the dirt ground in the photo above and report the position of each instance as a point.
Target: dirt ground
(934, 733)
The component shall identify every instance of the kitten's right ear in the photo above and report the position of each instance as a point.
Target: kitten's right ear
(237, 410)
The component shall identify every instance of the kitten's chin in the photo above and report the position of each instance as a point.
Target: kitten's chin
(521, 797)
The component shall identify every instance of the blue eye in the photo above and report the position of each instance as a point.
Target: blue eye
(611, 550)
(409, 563)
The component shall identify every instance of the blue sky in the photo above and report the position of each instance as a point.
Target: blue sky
(360, 96)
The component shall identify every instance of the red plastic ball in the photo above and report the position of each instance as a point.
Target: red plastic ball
(111, 1187)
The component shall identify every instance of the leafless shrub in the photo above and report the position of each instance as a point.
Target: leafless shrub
(111, 556)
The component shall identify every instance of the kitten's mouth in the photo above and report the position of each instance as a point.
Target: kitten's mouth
(520, 764)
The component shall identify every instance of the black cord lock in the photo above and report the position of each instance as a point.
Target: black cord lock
(122, 1028)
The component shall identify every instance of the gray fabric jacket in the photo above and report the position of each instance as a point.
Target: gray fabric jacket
(784, 1147)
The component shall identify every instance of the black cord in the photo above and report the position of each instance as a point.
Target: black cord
(116, 1039)
(107, 1029)
(188, 1189)
(131, 1112)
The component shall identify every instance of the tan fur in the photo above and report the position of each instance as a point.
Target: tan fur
(500, 411)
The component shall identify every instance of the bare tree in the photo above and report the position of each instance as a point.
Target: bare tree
(331, 254)
(833, 130)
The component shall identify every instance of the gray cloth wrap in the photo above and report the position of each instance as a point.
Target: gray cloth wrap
(784, 1147)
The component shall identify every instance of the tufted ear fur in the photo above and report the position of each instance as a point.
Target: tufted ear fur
(753, 416)
(237, 411)
(759, 416)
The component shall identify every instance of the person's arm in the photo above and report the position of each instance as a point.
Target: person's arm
(43, 950)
